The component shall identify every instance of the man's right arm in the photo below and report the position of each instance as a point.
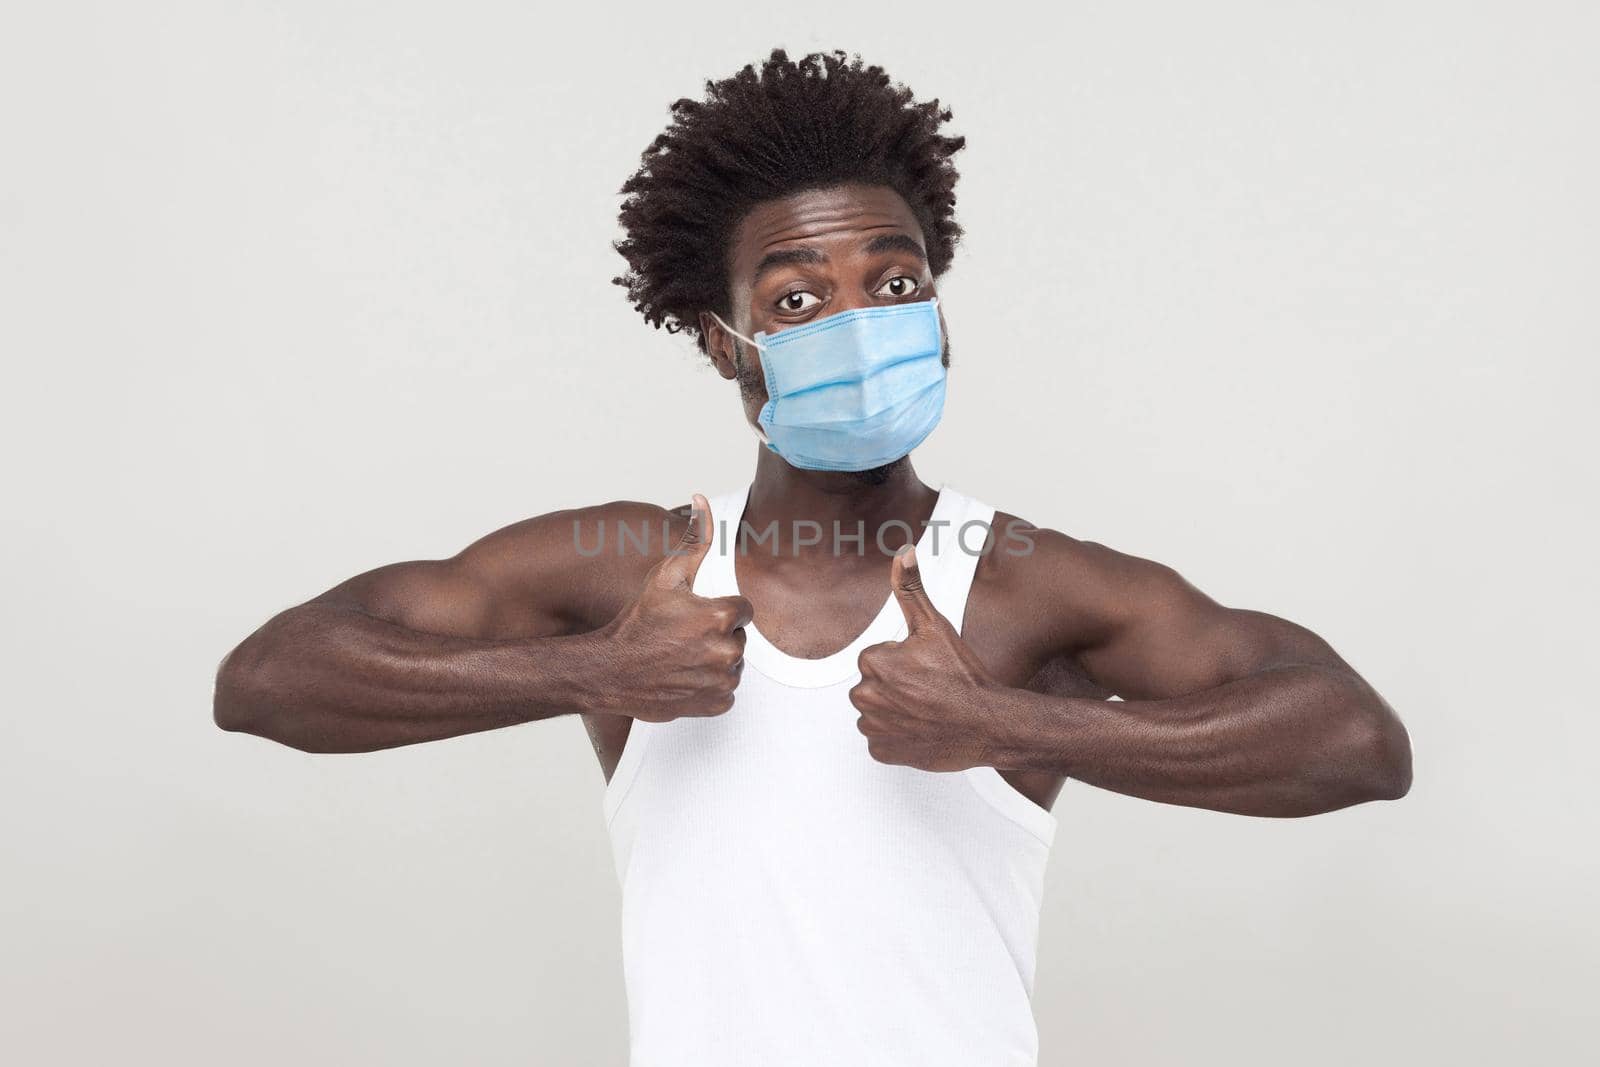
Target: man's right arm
(519, 627)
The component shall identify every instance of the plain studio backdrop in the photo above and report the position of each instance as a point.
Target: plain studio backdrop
(1296, 298)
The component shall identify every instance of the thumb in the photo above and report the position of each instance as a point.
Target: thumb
(683, 559)
(905, 578)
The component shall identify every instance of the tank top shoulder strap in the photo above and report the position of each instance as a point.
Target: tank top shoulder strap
(959, 547)
(716, 576)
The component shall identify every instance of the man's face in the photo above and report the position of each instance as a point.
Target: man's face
(812, 255)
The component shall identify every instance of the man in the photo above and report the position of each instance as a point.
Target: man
(833, 707)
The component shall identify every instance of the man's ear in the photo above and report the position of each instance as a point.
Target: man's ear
(719, 346)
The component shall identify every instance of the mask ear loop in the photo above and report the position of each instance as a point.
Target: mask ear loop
(759, 347)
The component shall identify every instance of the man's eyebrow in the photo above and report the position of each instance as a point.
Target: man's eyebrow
(896, 242)
(783, 257)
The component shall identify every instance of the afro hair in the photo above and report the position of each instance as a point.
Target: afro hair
(765, 133)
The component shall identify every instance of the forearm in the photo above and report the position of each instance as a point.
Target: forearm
(327, 678)
(1295, 740)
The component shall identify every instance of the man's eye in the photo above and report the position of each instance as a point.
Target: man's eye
(899, 286)
(799, 300)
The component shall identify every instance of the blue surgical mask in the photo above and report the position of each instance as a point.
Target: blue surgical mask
(852, 391)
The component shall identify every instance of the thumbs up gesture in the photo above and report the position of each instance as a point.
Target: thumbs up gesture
(926, 701)
(671, 653)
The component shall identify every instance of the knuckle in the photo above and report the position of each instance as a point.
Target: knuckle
(705, 707)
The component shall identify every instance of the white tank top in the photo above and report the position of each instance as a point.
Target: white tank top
(786, 899)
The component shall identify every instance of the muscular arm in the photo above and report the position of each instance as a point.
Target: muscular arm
(1226, 709)
(497, 635)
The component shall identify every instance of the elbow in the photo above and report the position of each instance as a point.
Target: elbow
(246, 697)
(1378, 762)
(1359, 752)
(235, 702)
(1393, 765)
(1350, 747)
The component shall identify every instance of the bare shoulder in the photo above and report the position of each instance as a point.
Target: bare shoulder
(588, 561)
(1081, 591)
(570, 534)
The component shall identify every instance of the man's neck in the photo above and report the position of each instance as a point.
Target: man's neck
(793, 498)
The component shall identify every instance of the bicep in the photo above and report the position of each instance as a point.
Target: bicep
(1157, 635)
(522, 581)
(431, 596)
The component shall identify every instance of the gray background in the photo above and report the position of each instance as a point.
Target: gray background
(1290, 297)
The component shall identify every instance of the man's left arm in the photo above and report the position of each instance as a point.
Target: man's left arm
(1221, 708)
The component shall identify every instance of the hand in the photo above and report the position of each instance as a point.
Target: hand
(926, 701)
(672, 654)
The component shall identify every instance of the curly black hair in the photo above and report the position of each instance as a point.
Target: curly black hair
(763, 134)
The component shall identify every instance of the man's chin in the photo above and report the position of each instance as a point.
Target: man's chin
(880, 474)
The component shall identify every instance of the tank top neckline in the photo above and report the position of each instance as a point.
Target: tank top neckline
(841, 665)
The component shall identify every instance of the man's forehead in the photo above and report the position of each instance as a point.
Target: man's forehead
(838, 214)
